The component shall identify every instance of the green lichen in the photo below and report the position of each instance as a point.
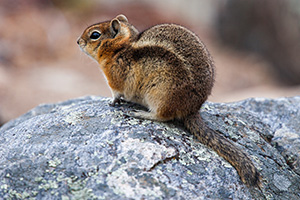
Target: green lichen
(54, 163)
(4, 186)
(77, 187)
(189, 172)
(48, 185)
(34, 193)
(14, 194)
(84, 193)
(64, 197)
(25, 195)
(79, 191)
(133, 121)
(187, 159)
(110, 142)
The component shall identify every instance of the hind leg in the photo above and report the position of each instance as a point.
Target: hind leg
(159, 110)
(142, 115)
(147, 115)
(162, 113)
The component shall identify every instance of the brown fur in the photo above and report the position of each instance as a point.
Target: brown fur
(167, 69)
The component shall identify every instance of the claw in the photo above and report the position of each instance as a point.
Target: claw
(114, 102)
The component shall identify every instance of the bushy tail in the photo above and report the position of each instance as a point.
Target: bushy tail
(225, 148)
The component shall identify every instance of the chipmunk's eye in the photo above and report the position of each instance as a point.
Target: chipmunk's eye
(95, 35)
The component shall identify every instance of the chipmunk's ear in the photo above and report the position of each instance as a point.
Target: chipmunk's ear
(115, 26)
(122, 18)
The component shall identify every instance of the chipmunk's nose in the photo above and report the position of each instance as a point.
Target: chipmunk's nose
(81, 42)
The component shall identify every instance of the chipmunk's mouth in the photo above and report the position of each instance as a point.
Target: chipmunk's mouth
(85, 48)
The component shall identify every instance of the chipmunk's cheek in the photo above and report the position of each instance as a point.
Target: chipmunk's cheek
(84, 47)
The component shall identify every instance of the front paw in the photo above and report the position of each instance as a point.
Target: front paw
(115, 102)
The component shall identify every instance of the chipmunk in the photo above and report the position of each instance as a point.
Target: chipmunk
(167, 69)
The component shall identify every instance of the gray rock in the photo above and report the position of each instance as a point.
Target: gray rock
(85, 149)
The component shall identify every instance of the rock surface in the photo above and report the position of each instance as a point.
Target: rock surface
(85, 149)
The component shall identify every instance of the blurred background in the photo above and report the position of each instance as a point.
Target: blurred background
(255, 45)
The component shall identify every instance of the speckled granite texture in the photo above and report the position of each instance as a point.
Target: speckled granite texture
(85, 149)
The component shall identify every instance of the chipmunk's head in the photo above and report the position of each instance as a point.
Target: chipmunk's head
(106, 37)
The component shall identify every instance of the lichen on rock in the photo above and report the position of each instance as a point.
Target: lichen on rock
(85, 149)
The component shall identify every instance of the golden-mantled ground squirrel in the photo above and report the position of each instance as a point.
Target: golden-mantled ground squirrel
(167, 69)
